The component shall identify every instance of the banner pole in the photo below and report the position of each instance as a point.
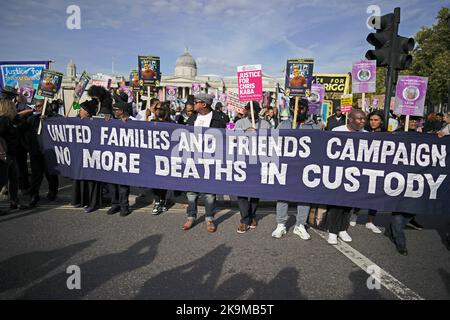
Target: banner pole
(253, 114)
(70, 109)
(42, 115)
(407, 123)
(364, 102)
(294, 120)
(148, 100)
(137, 100)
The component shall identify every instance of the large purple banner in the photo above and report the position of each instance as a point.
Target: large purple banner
(405, 172)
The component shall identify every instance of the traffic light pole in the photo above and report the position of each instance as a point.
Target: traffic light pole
(390, 77)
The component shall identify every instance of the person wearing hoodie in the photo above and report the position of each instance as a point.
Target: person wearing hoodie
(303, 122)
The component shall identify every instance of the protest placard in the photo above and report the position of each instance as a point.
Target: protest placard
(49, 83)
(149, 71)
(81, 86)
(410, 95)
(364, 75)
(315, 99)
(19, 74)
(299, 76)
(250, 82)
(171, 93)
(196, 88)
(346, 103)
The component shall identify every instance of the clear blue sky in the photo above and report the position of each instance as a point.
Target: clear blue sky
(220, 34)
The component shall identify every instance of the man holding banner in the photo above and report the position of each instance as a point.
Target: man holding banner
(207, 118)
(339, 217)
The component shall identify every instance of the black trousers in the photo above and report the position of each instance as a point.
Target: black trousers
(22, 165)
(119, 195)
(38, 170)
(13, 180)
(247, 207)
(338, 219)
(160, 194)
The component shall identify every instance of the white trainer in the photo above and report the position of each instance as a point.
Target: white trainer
(372, 227)
(345, 236)
(279, 231)
(300, 230)
(332, 238)
(353, 219)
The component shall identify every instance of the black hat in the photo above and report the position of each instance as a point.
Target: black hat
(122, 97)
(90, 106)
(120, 105)
(8, 92)
(256, 107)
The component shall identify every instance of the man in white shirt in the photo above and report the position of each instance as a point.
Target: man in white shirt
(339, 217)
(204, 116)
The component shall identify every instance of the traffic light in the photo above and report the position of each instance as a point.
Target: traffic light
(381, 39)
(391, 50)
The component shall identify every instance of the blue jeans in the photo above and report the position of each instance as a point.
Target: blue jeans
(210, 203)
(399, 221)
(302, 212)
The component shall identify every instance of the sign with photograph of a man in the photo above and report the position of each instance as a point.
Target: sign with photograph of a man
(299, 75)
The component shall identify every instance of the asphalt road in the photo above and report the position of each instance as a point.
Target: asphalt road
(142, 256)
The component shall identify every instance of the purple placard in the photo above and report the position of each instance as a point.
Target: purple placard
(196, 88)
(171, 93)
(315, 98)
(410, 95)
(364, 75)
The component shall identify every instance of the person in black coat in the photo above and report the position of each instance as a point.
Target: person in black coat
(87, 193)
(37, 160)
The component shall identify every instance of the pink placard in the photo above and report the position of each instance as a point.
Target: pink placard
(250, 82)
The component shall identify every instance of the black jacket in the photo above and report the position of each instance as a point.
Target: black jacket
(217, 121)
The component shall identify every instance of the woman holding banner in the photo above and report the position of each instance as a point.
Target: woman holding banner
(283, 206)
(162, 114)
(87, 193)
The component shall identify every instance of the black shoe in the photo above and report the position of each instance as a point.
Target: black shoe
(124, 212)
(113, 210)
(414, 224)
(163, 206)
(51, 196)
(34, 200)
(403, 251)
(16, 205)
(156, 208)
(89, 209)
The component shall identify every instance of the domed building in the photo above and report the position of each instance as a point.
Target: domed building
(186, 67)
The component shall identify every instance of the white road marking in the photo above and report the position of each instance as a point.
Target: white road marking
(386, 279)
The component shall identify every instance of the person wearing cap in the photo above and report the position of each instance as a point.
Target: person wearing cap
(248, 206)
(302, 208)
(87, 193)
(246, 122)
(38, 164)
(120, 193)
(204, 116)
(8, 93)
(336, 120)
